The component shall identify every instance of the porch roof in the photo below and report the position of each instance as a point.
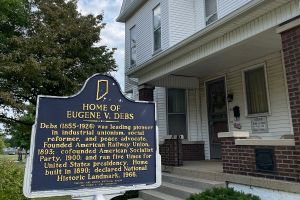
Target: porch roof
(222, 34)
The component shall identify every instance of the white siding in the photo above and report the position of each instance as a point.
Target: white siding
(204, 120)
(182, 20)
(199, 14)
(193, 115)
(182, 82)
(279, 121)
(160, 99)
(143, 21)
(186, 17)
(227, 6)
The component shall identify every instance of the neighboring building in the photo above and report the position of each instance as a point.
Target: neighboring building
(216, 66)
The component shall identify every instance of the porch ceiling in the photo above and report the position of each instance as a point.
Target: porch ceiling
(248, 50)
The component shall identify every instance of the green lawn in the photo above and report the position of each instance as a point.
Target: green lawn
(22, 164)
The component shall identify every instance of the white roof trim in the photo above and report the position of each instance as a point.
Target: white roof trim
(128, 8)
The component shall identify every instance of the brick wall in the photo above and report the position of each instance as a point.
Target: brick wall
(193, 152)
(241, 159)
(146, 93)
(291, 53)
(171, 152)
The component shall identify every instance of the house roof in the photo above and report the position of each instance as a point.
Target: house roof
(128, 8)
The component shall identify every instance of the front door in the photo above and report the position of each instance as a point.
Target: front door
(217, 114)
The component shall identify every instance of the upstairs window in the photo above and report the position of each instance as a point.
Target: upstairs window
(157, 28)
(211, 11)
(256, 92)
(133, 46)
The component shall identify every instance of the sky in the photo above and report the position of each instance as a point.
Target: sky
(113, 35)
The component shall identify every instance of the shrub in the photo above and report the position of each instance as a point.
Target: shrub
(127, 195)
(2, 144)
(222, 194)
(11, 181)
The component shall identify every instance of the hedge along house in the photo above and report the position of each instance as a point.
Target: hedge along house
(225, 75)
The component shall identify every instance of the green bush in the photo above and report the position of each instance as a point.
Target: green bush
(2, 144)
(11, 181)
(127, 195)
(222, 194)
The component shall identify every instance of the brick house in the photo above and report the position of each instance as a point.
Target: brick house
(225, 76)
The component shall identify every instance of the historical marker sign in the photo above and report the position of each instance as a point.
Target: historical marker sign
(95, 142)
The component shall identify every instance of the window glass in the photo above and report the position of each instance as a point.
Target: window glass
(210, 11)
(157, 28)
(133, 46)
(256, 91)
(157, 39)
(177, 112)
(176, 101)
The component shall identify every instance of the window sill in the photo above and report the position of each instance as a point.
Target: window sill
(265, 142)
(156, 52)
(132, 66)
(258, 115)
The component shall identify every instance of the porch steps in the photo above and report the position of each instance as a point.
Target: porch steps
(177, 187)
(205, 174)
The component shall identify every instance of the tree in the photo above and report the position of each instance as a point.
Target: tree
(13, 19)
(53, 53)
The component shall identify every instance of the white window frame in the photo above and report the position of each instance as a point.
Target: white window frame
(153, 30)
(267, 90)
(130, 52)
(186, 111)
(206, 18)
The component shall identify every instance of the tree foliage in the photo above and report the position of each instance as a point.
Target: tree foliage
(49, 50)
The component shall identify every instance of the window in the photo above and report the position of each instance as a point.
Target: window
(177, 112)
(256, 91)
(211, 11)
(133, 46)
(157, 28)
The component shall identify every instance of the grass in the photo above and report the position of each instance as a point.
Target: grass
(22, 164)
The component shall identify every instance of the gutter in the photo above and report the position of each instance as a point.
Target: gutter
(204, 32)
(129, 10)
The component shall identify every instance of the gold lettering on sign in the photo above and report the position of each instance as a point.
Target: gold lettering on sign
(95, 145)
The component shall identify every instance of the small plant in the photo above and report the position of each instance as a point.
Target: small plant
(11, 181)
(127, 195)
(222, 194)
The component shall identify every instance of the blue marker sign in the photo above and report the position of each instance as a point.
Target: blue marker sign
(97, 141)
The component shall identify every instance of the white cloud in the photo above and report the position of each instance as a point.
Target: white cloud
(113, 34)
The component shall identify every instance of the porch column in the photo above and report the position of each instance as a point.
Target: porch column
(290, 35)
(146, 92)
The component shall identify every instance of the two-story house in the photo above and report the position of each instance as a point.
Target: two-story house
(224, 74)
